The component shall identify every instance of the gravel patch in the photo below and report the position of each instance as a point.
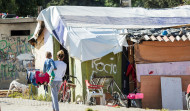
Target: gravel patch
(18, 104)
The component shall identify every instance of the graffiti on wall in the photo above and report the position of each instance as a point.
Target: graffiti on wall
(98, 66)
(10, 49)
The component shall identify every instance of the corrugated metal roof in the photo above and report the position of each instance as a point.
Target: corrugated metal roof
(167, 35)
(161, 38)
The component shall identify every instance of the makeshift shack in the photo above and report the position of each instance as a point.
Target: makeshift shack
(94, 38)
(158, 56)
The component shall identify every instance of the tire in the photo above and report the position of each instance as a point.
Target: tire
(61, 98)
(67, 97)
(188, 103)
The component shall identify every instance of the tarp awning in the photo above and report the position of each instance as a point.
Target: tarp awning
(87, 43)
(77, 28)
(114, 17)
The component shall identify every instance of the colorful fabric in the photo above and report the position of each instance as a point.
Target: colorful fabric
(51, 73)
(41, 78)
(31, 78)
(48, 64)
(52, 77)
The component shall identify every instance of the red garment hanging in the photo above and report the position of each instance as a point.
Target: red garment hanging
(131, 69)
(41, 77)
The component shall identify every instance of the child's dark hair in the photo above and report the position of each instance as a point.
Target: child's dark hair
(48, 55)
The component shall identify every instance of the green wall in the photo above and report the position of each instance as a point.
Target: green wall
(109, 65)
(56, 48)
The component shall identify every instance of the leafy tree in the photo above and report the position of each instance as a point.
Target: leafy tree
(186, 2)
(26, 7)
(8, 6)
(30, 7)
(137, 3)
(84, 2)
(19, 7)
(157, 3)
(112, 3)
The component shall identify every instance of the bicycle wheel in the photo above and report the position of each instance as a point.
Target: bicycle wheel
(63, 90)
(61, 99)
(67, 96)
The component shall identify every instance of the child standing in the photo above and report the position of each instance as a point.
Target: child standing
(49, 66)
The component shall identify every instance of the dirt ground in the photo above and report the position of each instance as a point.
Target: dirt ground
(8, 106)
(18, 104)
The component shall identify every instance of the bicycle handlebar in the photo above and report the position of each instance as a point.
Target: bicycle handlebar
(74, 77)
(70, 76)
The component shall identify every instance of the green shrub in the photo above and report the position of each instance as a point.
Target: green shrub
(15, 95)
(89, 109)
(34, 89)
(25, 95)
(43, 97)
(164, 110)
(40, 98)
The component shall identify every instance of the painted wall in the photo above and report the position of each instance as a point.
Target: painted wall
(109, 65)
(167, 68)
(15, 51)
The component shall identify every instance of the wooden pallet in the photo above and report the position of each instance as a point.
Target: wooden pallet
(3, 93)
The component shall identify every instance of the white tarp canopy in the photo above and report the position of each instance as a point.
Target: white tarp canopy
(87, 44)
(92, 32)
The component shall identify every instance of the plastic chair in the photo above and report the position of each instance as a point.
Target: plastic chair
(94, 91)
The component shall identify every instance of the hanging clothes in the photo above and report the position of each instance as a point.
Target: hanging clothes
(31, 78)
(42, 78)
(131, 69)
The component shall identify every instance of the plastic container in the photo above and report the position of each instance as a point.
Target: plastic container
(135, 96)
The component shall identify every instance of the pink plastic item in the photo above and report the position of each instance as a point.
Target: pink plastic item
(135, 96)
(139, 96)
(188, 89)
(131, 96)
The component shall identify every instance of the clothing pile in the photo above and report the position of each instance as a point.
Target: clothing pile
(37, 78)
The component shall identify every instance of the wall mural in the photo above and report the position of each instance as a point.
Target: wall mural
(15, 56)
